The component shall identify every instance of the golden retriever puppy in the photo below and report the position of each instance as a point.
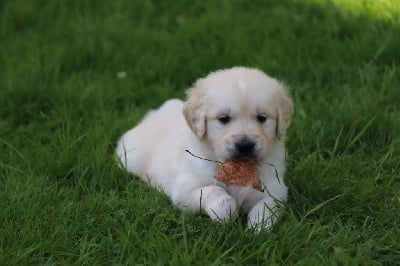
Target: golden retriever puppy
(232, 114)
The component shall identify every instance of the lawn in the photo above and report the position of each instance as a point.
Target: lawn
(76, 74)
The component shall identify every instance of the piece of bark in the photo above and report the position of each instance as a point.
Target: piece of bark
(239, 173)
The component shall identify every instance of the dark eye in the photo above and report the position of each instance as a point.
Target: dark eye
(261, 118)
(224, 119)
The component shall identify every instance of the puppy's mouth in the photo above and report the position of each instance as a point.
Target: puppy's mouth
(244, 157)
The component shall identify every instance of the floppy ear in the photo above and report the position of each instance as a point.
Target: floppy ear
(194, 112)
(285, 111)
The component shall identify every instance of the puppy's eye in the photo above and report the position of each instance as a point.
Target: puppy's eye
(261, 118)
(224, 119)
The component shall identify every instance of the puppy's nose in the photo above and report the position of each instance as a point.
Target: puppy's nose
(245, 146)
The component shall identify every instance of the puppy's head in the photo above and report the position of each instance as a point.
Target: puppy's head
(239, 112)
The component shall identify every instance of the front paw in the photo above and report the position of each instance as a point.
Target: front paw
(222, 208)
(262, 216)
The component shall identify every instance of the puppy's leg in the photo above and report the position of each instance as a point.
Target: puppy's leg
(262, 208)
(263, 214)
(218, 204)
(213, 200)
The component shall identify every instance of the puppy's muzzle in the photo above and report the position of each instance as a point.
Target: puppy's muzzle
(245, 149)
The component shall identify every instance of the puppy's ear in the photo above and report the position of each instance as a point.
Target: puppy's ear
(194, 112)
(285, 112)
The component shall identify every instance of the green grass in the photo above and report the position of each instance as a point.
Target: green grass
(63, 200)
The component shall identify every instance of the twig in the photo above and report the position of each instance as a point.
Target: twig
(202, 158)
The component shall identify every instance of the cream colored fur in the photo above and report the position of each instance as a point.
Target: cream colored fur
(155, 149)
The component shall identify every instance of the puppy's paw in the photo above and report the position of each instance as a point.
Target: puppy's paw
(262, 216)
(222, 208)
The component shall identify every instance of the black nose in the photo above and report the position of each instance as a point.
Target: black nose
(245, 146)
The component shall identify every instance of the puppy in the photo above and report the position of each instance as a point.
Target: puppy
(237, 113)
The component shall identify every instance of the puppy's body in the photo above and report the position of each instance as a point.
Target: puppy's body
(231, 114)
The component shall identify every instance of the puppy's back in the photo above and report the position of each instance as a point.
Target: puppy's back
(156, 135)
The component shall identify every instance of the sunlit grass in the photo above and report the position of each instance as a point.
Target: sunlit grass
(378, 10)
